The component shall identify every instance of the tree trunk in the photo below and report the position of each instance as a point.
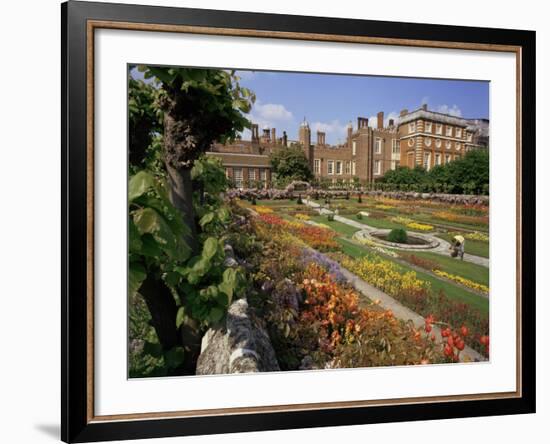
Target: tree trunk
(181, 195)
(163, 310)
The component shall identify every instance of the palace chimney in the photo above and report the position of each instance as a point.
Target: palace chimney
(320, 138)
(403, 112)
(273, 135)
(380, 118)
(255, 136)
(391, 122)
(362, 122)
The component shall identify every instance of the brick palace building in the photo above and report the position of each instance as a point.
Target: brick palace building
(421, 137)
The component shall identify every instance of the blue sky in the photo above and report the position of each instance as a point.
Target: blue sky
(330, 101)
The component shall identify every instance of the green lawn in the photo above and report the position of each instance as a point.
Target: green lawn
(477, 248)
(458, 293)
(373, 222)
(474, 272)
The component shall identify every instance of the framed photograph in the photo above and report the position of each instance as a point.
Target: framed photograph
(275, 221)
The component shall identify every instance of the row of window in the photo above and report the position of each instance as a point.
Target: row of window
(238, 175)
(335, 167)
(438, 143)
(437, 159)
(428, 128)
(377, 146)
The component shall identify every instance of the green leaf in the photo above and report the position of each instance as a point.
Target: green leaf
(210, 248)
(215, 315)
(149, 246)
(172, 278)
(149, 221)
(139, 184)
(136, 276)
(206, 219)
(174, 357)
(180, 317)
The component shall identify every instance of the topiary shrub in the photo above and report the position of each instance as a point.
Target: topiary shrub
(253, 200)
(398, 235)
(299, 201)
(330, 217)
(359, 216)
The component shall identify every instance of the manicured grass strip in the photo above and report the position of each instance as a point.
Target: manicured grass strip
(457, 293)
(351, 249)
(473, 272)
(452, 291)
(477, 248)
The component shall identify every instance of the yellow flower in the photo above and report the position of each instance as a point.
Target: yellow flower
(466, 282)
(421, 227)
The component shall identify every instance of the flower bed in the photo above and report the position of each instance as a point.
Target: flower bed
(263, 210)
(317, 237)
(466, 282)
(420, 227)
(316, 320)
(452, 217)
(409, 223)
(418, 295)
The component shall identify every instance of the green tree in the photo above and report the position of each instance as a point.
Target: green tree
(179, 273)
(291, 163)
(199, 106)
(144, 119)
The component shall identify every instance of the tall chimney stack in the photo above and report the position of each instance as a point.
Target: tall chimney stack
(404, 112)
(380, 117)
(425, 106)
(391, 122)
(320, 138)
(255, 135)
(273, 135)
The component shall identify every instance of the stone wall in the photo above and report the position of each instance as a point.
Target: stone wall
(239, 345)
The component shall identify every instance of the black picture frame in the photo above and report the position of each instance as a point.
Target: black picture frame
(76, 423)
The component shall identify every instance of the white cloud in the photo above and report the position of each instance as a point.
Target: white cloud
(271, 115)
(270, 112)
(335, 131)
(451, 110)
